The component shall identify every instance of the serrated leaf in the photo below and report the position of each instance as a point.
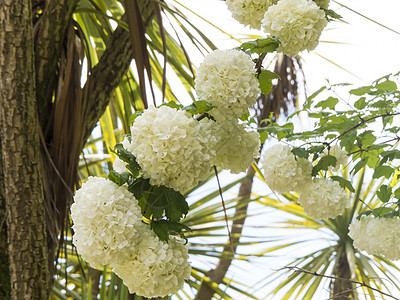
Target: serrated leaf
(328, 103)
(381, 211)
(315, 94)
(385, 171)
(384, 193)
(265, 78)
(323, 164)
(173, 104)
(139, 186)
(300, 152)
(127, 157)
(331, 13)
(119, 178)
(344, 183)
(164, 228)
(261, 45)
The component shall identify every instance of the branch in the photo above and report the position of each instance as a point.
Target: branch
(48, 44)
(361, 284)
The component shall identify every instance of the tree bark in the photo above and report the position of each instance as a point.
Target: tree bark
(26, 223)
(342, 286)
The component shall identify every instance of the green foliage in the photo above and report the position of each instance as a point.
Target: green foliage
(264, 79)
(260, 46)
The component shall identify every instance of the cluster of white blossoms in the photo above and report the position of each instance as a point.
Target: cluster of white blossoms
(323, 198)
(249, 12)
(158, 269)
(377, 236)
(234, 147)
(227, 79)
(297, 23)
(340, 154)
(108, 229)
(170, 148)
(284, 172)
(104, 216)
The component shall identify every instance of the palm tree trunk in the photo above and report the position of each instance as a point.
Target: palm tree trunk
(342, 286)
(26, 222)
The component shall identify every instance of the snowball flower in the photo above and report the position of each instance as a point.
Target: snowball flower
(284, 172)
(156, 268)
(235, 148)
(340, 154)
(297, 23)
(322, 199)
(105, 218)
(170, 148)
(322, 3)
(377, 236)
(227, 80)
(249, 12)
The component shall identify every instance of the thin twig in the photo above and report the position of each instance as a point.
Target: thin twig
(223, 205)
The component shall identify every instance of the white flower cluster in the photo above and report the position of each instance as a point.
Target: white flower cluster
(170, 148)
(158, 269)
(108, 229)
(322, 199)
(234, 147)
(297, 23)
(339, 153)
(322, 3)
(283, 171)
(105, 217)
(377, 236)
(226, 79)
(249, 12)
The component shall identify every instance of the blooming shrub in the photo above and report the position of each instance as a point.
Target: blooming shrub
(297, 23)
(249, 12)
(377, 236)
(284, 172)
(170, 148)
(226, 79)
(322, 199)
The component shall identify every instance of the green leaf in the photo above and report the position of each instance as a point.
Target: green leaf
(328, 103)
(360, 103)
(384, 193)
(323, 164)
(344, 183)
(198, 107)
(173, 104)
(366, 138)
(139, 186)
(118, 178)
(300, 152)
(381, 211)
(133, 117)
(362, 90)
(315, 94)
(387, 85)
(397, 193)
(361, 164)
(162, 198)
(332, 14)
(385, 171)
(164, 228)
(261, 45)
(127, 157)
(280, 131)
(265, 78)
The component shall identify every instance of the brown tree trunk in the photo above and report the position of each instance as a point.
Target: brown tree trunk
(26, 223)
(342, 286)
